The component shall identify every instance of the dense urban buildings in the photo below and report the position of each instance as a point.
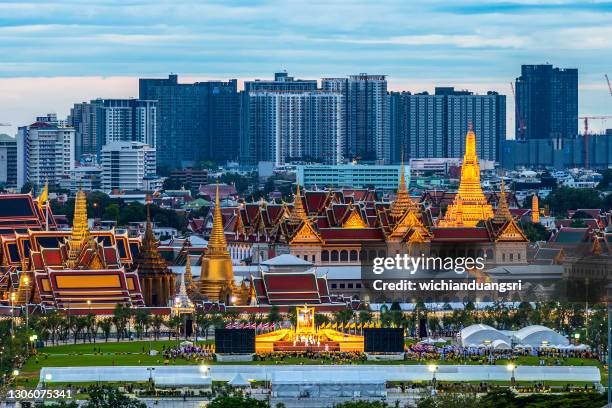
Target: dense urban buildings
(8, 161)
(103, 121)
(433, 126)
(128, 166)
(193, 120)
(547, 102)
(367, 121)
(45, 152)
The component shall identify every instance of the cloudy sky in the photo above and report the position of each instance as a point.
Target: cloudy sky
(55, 53)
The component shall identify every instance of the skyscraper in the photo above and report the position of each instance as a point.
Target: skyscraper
(547, 100)
(301, 125)
(187, 131)
(45, 152)
(434, 125)
(254, 145)
(103, 121)
(367, 135)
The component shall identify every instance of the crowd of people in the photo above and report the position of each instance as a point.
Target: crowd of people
(188, 352)
(342, 357)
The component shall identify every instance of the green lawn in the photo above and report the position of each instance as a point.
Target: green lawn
(112, 347)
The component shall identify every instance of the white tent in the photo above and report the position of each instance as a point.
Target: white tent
(538, 336)
(500, 345)
(481, 334)
(239, 381)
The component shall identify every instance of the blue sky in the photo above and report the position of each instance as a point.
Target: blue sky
(55, 53)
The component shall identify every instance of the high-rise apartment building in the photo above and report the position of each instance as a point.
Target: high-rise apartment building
(45, 152)
(103, 121)
(198, 121)
(547, 102)
(428, 126)
(281, 82)
(127, 166)
(295, 125)
(8, 161)
(367, 135)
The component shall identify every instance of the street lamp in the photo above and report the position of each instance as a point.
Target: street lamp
(432, 369)
(577, 337)
(15, 373)
(511, 367)
(47, 379)
(13, 314)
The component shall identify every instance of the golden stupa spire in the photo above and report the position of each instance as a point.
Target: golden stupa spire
(474, 204)
(298, 213)
(80, 229)
(402, 202)
(535, 209)
(217, 243)
(188, 274)
(596, 248)
(502, 213)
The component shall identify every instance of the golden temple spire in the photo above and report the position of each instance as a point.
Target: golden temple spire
(298, 213)
(596, 248)
(474, 206)
(402, 202)
(80, 229)
(502, 213)
(188, 274)
(535, 209)
(217, 242)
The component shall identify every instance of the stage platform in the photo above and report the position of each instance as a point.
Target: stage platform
(290, 346)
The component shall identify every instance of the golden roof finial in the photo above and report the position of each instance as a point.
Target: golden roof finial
(80, 229)
(402, 202)
(217, 242)
(298, 213)
(502, 214)
(535, 209)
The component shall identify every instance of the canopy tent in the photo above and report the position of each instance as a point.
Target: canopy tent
(500, 345)
(239, 381)
(482, 335)
(538, 336)
(351, 384)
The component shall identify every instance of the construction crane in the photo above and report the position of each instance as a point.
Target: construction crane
(586, 135)
(518, 116)
(608, 81)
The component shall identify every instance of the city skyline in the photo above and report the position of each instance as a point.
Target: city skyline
(55, 55)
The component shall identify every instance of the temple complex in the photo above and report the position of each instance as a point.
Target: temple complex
(78, 269)
(349, 227)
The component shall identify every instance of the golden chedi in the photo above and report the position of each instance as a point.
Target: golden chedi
(470, 204)
(217, 275)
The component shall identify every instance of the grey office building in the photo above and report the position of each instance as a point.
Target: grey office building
(428, 126)
(195, 122)
(547, 102)
(367, 135)
(8, 161)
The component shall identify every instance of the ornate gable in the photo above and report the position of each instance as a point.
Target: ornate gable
(511, 232)
(354, 220)
(409, 222)
(306, 234)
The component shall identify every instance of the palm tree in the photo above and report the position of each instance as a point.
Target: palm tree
(175, 324)
(203, 322)
(106, 325)
(79, 324)
(142, 321)
(365, 316)
(92, 328)
(121, 315)
(156, 324)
